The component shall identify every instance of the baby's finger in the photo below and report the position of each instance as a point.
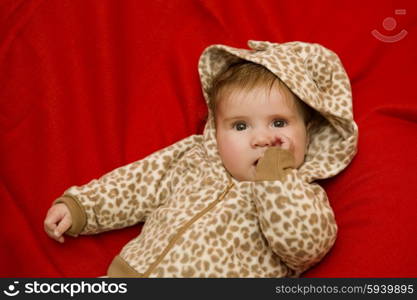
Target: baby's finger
(63, 226)
(49, 229)
(286, 143)
(277, 141)
(52, 235)
(53, 216)
(50, 222)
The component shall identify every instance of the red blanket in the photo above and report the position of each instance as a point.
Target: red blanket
(87, 86)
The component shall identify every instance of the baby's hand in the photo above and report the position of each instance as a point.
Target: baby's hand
(57, 221)
(274, 163)
(283, 142)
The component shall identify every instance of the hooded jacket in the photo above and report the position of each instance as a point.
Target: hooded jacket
(200, 221)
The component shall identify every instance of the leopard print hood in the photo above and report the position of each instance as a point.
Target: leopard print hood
(316, 75)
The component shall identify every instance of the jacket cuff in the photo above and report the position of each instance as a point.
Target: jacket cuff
(274, 164)
(78, 215)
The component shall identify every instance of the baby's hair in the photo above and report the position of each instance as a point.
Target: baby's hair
(247, 75)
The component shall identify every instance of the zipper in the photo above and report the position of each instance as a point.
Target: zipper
(184, 228)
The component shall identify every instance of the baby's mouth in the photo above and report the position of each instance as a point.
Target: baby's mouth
(256, 162)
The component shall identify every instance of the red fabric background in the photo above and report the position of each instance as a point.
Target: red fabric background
(87, 86)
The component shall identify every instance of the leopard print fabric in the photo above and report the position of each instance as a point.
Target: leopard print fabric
(201, 222)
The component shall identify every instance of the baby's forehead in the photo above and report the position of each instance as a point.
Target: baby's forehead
(245, 95)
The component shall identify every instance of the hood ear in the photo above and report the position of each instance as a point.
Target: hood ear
(320, 71)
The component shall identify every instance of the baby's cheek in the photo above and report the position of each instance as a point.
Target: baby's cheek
(230, 155)
(225, 150)
(299, 157)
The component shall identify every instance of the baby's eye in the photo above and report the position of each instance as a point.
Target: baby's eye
(279, 123)
(240, 126)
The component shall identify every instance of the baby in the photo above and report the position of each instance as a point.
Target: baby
(239, 200)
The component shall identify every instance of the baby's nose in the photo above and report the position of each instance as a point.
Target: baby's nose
(263, 141)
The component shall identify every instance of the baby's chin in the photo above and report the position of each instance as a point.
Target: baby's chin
(249, 175)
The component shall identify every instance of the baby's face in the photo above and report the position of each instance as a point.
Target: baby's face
(247, 123)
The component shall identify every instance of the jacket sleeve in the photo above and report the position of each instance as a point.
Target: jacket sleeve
(126, 195)
(295, 216)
